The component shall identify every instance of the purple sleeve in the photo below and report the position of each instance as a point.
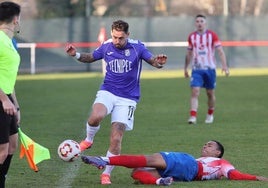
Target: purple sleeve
(98, 53)
(146, 54)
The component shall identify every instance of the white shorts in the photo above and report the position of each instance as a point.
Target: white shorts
(121, 109)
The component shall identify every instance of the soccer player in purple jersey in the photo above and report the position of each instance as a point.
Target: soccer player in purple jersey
(120, 90)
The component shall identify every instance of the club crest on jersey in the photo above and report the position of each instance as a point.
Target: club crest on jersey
(127, 52)
(201, 47)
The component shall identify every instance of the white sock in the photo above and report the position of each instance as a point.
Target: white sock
(106, 159)
(91, 131)
(108, 168)
(158, 181)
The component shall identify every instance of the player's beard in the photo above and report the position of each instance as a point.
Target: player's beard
(120, 46)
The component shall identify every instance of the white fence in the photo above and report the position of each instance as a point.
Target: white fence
(254, 53)
(33, 46)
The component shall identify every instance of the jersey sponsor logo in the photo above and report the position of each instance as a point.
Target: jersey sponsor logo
(110, 53)
(120, 65)
(202, 53)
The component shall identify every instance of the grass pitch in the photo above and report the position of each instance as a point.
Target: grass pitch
(55, 107)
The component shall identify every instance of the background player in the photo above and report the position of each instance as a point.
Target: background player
(202, 44)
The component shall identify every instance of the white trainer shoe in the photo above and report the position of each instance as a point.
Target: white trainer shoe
(209, 119)
(192, 120)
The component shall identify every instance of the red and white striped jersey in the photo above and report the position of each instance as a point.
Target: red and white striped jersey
(216, 168)
(203, 47)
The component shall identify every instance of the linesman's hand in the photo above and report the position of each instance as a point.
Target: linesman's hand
(9, 107)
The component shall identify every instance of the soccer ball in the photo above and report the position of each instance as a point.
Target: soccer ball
(69, 150)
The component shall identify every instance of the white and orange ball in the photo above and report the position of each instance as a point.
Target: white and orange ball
(69, 150)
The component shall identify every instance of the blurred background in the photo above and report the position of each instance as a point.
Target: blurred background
(163, 25)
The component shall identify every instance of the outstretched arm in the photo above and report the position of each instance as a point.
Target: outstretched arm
(237, 175)
(261, 178)
(82, 57)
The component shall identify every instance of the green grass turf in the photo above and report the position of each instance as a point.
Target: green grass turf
(55, 107)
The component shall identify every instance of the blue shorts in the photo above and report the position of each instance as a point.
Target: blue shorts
(180, 166)
(203, 78)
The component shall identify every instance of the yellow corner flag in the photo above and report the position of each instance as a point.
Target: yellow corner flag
(34, 152)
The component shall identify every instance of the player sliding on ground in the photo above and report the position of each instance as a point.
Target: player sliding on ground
(166, 167)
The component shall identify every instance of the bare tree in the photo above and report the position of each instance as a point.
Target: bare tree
(258, 6)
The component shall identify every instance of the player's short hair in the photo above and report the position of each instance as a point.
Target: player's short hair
(120, 25)
(219, 147)
(200, 16)
(8, 10)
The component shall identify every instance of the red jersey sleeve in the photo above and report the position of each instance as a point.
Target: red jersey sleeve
(190, 44)
(216, 40)
(237, 175)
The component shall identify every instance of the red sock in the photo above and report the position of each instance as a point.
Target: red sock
(130, 161)
(210, 111)
(144, 177)
(193, 113)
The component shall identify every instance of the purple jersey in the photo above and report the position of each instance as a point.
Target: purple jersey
(123, 67)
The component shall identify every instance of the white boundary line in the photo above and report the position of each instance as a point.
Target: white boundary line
(68, 174)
